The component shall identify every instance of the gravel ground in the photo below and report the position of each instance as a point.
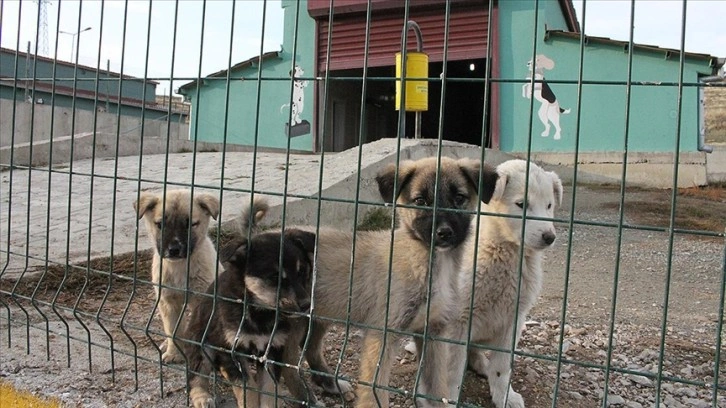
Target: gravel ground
(631, 360)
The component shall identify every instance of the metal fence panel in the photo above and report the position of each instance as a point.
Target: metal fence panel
(631, 310)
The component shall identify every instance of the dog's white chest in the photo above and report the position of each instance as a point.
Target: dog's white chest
(444, 298)
(500, 292)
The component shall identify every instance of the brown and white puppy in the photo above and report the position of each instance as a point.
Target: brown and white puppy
(390, 277)
(178, 228)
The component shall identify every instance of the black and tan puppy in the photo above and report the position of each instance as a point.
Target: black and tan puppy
(390, 279)
(179, 242)
(252, 271)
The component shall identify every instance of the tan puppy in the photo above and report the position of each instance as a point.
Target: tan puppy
(178, 242)
(390, 288)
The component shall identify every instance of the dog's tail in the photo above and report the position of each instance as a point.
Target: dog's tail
(564, 111)
(252, 214)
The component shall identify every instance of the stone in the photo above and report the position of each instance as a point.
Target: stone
(641, 380)
(615, 400)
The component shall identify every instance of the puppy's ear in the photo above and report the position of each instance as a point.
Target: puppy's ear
(208, 203)
(303, 239)
(501, 184)
(234, 253)
(147, 202)
(386, 180)
(470, 169)
(557, 186)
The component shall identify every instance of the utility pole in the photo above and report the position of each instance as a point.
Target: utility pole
(27, 74)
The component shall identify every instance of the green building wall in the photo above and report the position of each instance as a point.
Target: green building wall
(653, 108)
(69, 76)
(82, 79)
(262, 121)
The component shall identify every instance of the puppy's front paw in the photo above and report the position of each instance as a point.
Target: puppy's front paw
(201, 399)
(170, 353)
(478, 362)
(514, 400)
(172, 356)
(344, 387)
(411, 348)
(331, 386)
(204, 403)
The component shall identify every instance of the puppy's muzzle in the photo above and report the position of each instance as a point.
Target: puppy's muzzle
(176, 250)
(445, 237)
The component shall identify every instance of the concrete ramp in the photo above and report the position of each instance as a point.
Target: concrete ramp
(340, 180)
(84, 209)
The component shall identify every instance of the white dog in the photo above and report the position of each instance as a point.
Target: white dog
(549, 110)
(495, 318)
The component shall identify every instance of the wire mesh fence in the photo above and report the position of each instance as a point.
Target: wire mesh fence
(372, 264)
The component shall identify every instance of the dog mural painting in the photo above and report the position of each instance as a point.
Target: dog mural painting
(297, 125)
(549, 109)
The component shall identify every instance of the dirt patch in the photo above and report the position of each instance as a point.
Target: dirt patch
(713, 192)
(697, 208)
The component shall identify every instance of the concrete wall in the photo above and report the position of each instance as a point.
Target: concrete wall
(38, 122)
(716, 164)
(101, 145)
(652, 170)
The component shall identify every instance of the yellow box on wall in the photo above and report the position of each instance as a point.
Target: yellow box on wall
(417, 92)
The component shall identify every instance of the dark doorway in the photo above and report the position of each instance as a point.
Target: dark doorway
(463, 106)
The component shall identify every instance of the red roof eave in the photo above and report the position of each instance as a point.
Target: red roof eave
(568, 10)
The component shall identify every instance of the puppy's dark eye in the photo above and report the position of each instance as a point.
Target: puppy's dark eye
(158, 224)
(460, 200)
(520, 204)
(195, 223)
(420, 201)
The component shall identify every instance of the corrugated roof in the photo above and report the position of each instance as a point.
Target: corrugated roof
(89, 95)
(71, 65)
(714, 61)
(239, 65)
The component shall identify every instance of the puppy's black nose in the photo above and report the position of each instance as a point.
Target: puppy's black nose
(548, 237)
(444, 233)
(175, 251)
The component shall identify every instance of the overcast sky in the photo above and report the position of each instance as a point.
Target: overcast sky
(659, 23)
(656, 23)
